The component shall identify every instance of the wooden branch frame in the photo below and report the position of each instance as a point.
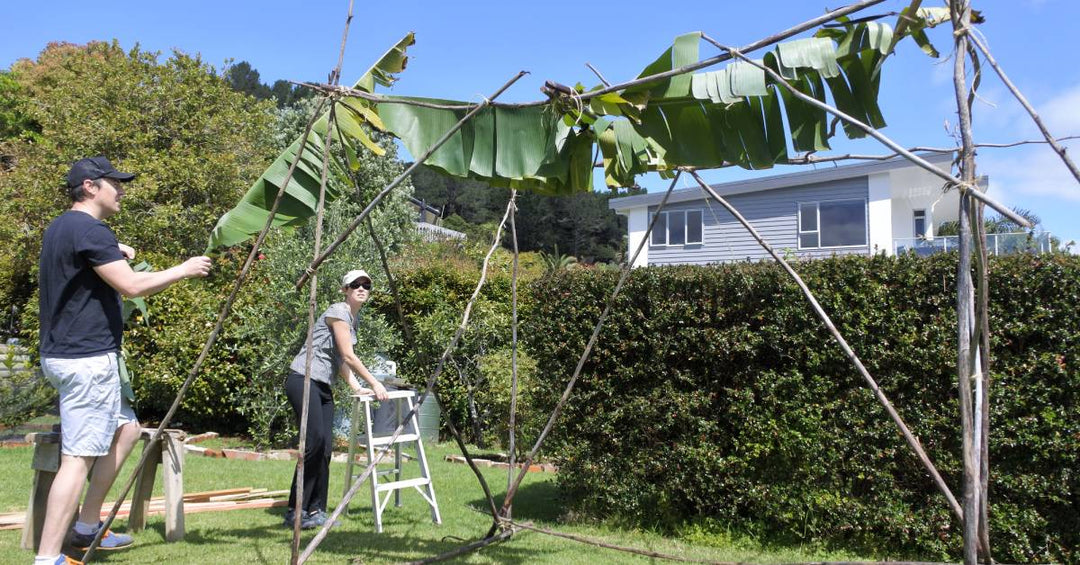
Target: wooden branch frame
(510, 492)
(973, 330)
(345, 233)
(325, 529)
(1001, 209)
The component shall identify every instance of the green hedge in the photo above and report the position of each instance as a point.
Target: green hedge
(714, 392)
(435, 283)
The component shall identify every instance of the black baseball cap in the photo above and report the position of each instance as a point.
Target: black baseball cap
(94, 168)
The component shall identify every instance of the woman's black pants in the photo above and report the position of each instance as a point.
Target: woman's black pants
(320, 439)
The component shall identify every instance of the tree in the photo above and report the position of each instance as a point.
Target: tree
(580, 223)
(243, 78)
(194, 142)
(994, 224)
(14, 122)
(288, 94)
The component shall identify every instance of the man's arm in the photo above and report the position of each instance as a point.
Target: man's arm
(131, 284)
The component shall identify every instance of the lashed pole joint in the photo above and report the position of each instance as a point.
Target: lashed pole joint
(400, 178)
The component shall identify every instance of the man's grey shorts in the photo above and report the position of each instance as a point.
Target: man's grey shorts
(91, 406)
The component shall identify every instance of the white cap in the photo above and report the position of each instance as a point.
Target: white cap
(353, 275)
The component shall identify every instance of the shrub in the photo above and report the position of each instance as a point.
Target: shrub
(435, 282)
(194, 142)
(24, 393)
(715, 392)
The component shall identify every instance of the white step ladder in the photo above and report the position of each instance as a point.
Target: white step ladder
(403, 404)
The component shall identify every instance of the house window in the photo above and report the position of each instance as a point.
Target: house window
(683, 227)
(920, 223)
(837, 223)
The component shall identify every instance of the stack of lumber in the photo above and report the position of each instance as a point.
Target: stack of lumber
(210, 501)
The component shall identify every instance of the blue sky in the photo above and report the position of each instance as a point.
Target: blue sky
(467, 50)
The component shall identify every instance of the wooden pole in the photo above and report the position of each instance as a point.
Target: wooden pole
(965, 292)
(510, 492)
(982, 313)
(345, 233)
(912, 441)
(513, 358)
(325, 529)
(313, 292)
(1027, 107)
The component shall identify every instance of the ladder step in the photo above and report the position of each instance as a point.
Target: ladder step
(395, 485)
(400, 439)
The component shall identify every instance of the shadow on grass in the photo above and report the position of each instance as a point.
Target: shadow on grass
(403, 539)
(539, 501)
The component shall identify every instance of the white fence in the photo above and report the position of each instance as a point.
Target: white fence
(432, 232)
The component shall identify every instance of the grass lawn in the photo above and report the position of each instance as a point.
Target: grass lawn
(257, 536)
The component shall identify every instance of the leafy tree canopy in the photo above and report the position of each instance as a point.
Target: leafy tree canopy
(242, 77)
(14, 122)
(580, 224)
(194, 142)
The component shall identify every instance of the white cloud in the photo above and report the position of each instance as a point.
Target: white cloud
(1033, 170)
(1060, 113)
(1036, 171)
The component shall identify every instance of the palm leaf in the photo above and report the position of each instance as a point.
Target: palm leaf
(735, 115)
(301, 195)
(520, 147)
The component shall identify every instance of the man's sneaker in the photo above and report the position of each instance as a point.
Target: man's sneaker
(109, 542)
(321, 517)
(307, 521)
(65, 560)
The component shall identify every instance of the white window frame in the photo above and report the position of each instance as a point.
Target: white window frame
(817, 223)
(667, 227)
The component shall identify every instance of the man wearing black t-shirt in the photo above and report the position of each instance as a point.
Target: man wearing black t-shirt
(82, 273)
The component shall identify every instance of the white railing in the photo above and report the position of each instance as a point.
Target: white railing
(432, 232)
(996, 243)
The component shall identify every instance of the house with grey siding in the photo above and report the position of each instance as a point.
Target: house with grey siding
(866, 208)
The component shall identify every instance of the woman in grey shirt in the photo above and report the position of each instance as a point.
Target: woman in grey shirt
(332, 353)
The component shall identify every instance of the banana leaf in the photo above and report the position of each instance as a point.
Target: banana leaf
(301, 195)
(683, 52)
(517, 147)
(734, 115)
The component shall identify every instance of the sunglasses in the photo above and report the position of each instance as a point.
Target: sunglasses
(366, 285)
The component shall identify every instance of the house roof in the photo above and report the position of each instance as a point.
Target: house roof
(824, 174)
